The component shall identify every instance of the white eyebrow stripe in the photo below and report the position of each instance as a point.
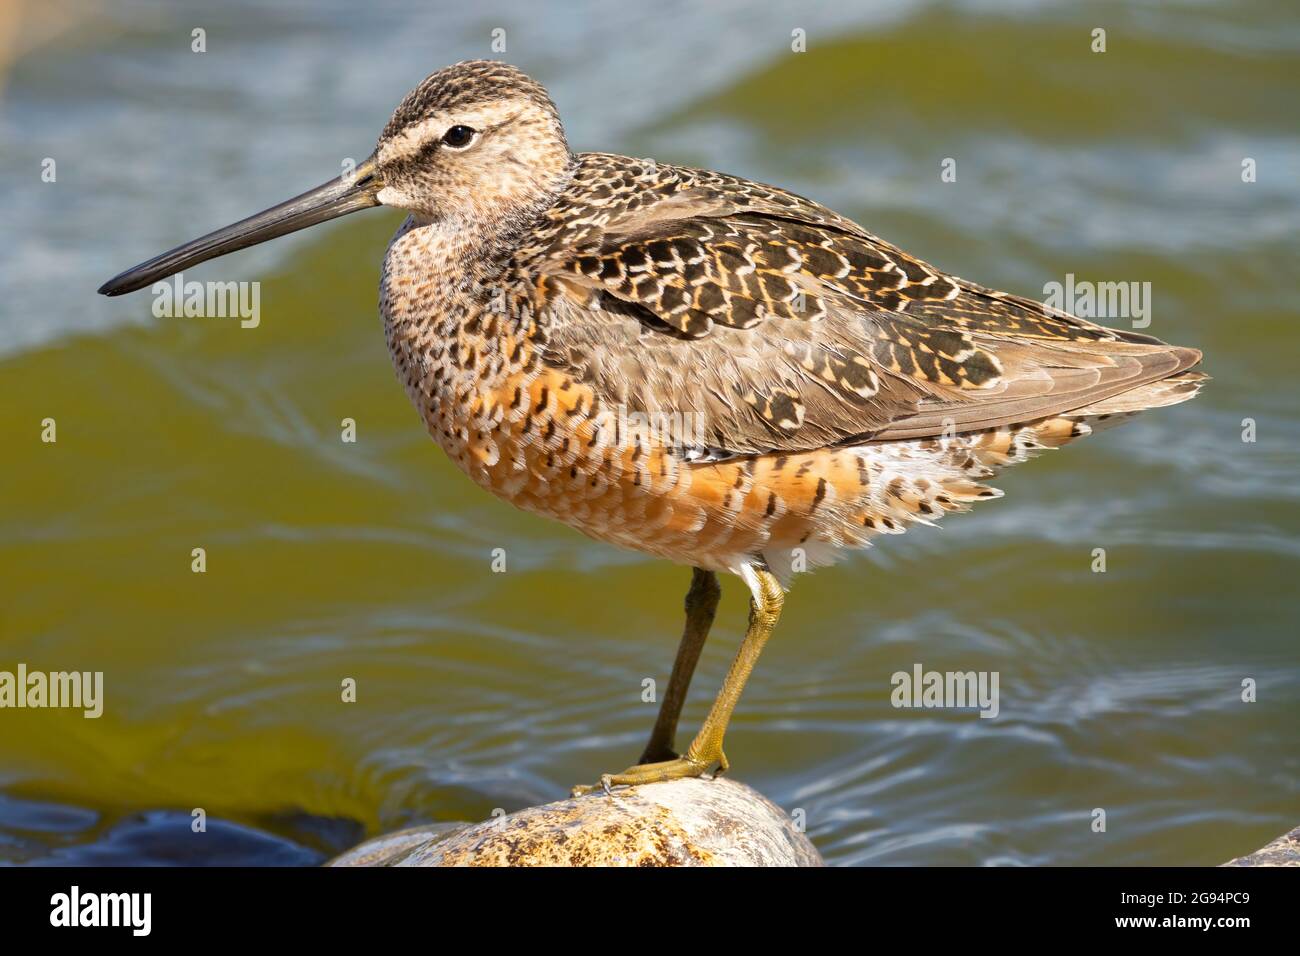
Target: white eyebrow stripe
(413, 138)
(410, 140)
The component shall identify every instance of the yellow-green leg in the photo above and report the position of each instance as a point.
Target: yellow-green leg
(705, 750)
(701, 605)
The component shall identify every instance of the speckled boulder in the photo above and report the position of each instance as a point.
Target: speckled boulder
(1284, 851)
(681, 823)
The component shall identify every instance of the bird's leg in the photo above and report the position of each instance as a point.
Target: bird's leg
(701, 605)
(705, 750)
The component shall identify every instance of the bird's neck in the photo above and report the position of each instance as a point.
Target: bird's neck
(449, 299)
(476, 244)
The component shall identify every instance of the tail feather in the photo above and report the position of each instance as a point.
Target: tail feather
(916, 482)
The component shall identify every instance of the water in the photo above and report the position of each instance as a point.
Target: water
(371, 561)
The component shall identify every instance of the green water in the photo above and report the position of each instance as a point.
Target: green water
(328, 560)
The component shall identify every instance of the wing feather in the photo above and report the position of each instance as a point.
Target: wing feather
(760, 322)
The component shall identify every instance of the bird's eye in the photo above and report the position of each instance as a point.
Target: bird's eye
(458, 137)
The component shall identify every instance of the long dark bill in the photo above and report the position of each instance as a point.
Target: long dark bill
(338, 197)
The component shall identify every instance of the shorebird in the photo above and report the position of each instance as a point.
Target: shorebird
(710, 370)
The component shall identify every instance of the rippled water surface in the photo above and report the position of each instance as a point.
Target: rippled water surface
(1119, 690)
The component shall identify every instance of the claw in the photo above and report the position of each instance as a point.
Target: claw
(675, 769)
(582, 789)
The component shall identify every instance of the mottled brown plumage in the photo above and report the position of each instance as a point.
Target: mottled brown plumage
(717, 371)
(703, 368)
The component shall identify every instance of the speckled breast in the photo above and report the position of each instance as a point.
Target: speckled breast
(528, 433)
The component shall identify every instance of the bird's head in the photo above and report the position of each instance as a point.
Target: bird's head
(478, 144)
(474, 141)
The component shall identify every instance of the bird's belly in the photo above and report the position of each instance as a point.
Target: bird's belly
(542, 442)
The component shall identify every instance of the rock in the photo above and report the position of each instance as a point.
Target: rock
(680, 823)
(1284, 851)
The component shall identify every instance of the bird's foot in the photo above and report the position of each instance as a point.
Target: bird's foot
(687, 766)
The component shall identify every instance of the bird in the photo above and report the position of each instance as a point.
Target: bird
(708, 370)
